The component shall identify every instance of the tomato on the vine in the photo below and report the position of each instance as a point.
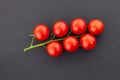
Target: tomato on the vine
(87, 41)
(41, 32)
(71, 44)
(96, 26)
(60, 28)
(86, 33)
(54, 48)
(78, 26)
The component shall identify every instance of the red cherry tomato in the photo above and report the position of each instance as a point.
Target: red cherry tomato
(41, 32)
(54, 49)
(71, 44)
(96, 26)
(60, 28)
(78, 26)
(88, 41)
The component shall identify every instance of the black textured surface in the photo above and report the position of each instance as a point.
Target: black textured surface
(17, 20)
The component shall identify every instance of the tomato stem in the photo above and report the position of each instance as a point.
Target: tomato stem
(44, 43)
(53, 37)
(31, 35)
(69, 33)
(32, 41)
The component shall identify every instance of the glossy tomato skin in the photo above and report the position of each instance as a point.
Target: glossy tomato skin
(96, 26)
(54, 49)
(60, 28)
(87, 41)
(78, 26)
(71, 44)
(41, 32)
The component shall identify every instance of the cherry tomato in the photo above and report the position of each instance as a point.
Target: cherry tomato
(96, 26)
(60, 28)
(71, 44)
(78, 26)
(87, 41)
(41, 32)
(54, 49)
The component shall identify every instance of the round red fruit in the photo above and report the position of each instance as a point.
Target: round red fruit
(96, 26)
(71, 44)
(54, 49)
(41, 32)
(87, 41)
(78, 26)
(60, 28)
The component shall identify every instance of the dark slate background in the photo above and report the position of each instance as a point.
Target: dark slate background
(17, 20)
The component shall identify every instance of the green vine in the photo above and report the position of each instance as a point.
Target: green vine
(44, 43)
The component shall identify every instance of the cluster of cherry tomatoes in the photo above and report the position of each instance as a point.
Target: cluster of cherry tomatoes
(70, 43)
